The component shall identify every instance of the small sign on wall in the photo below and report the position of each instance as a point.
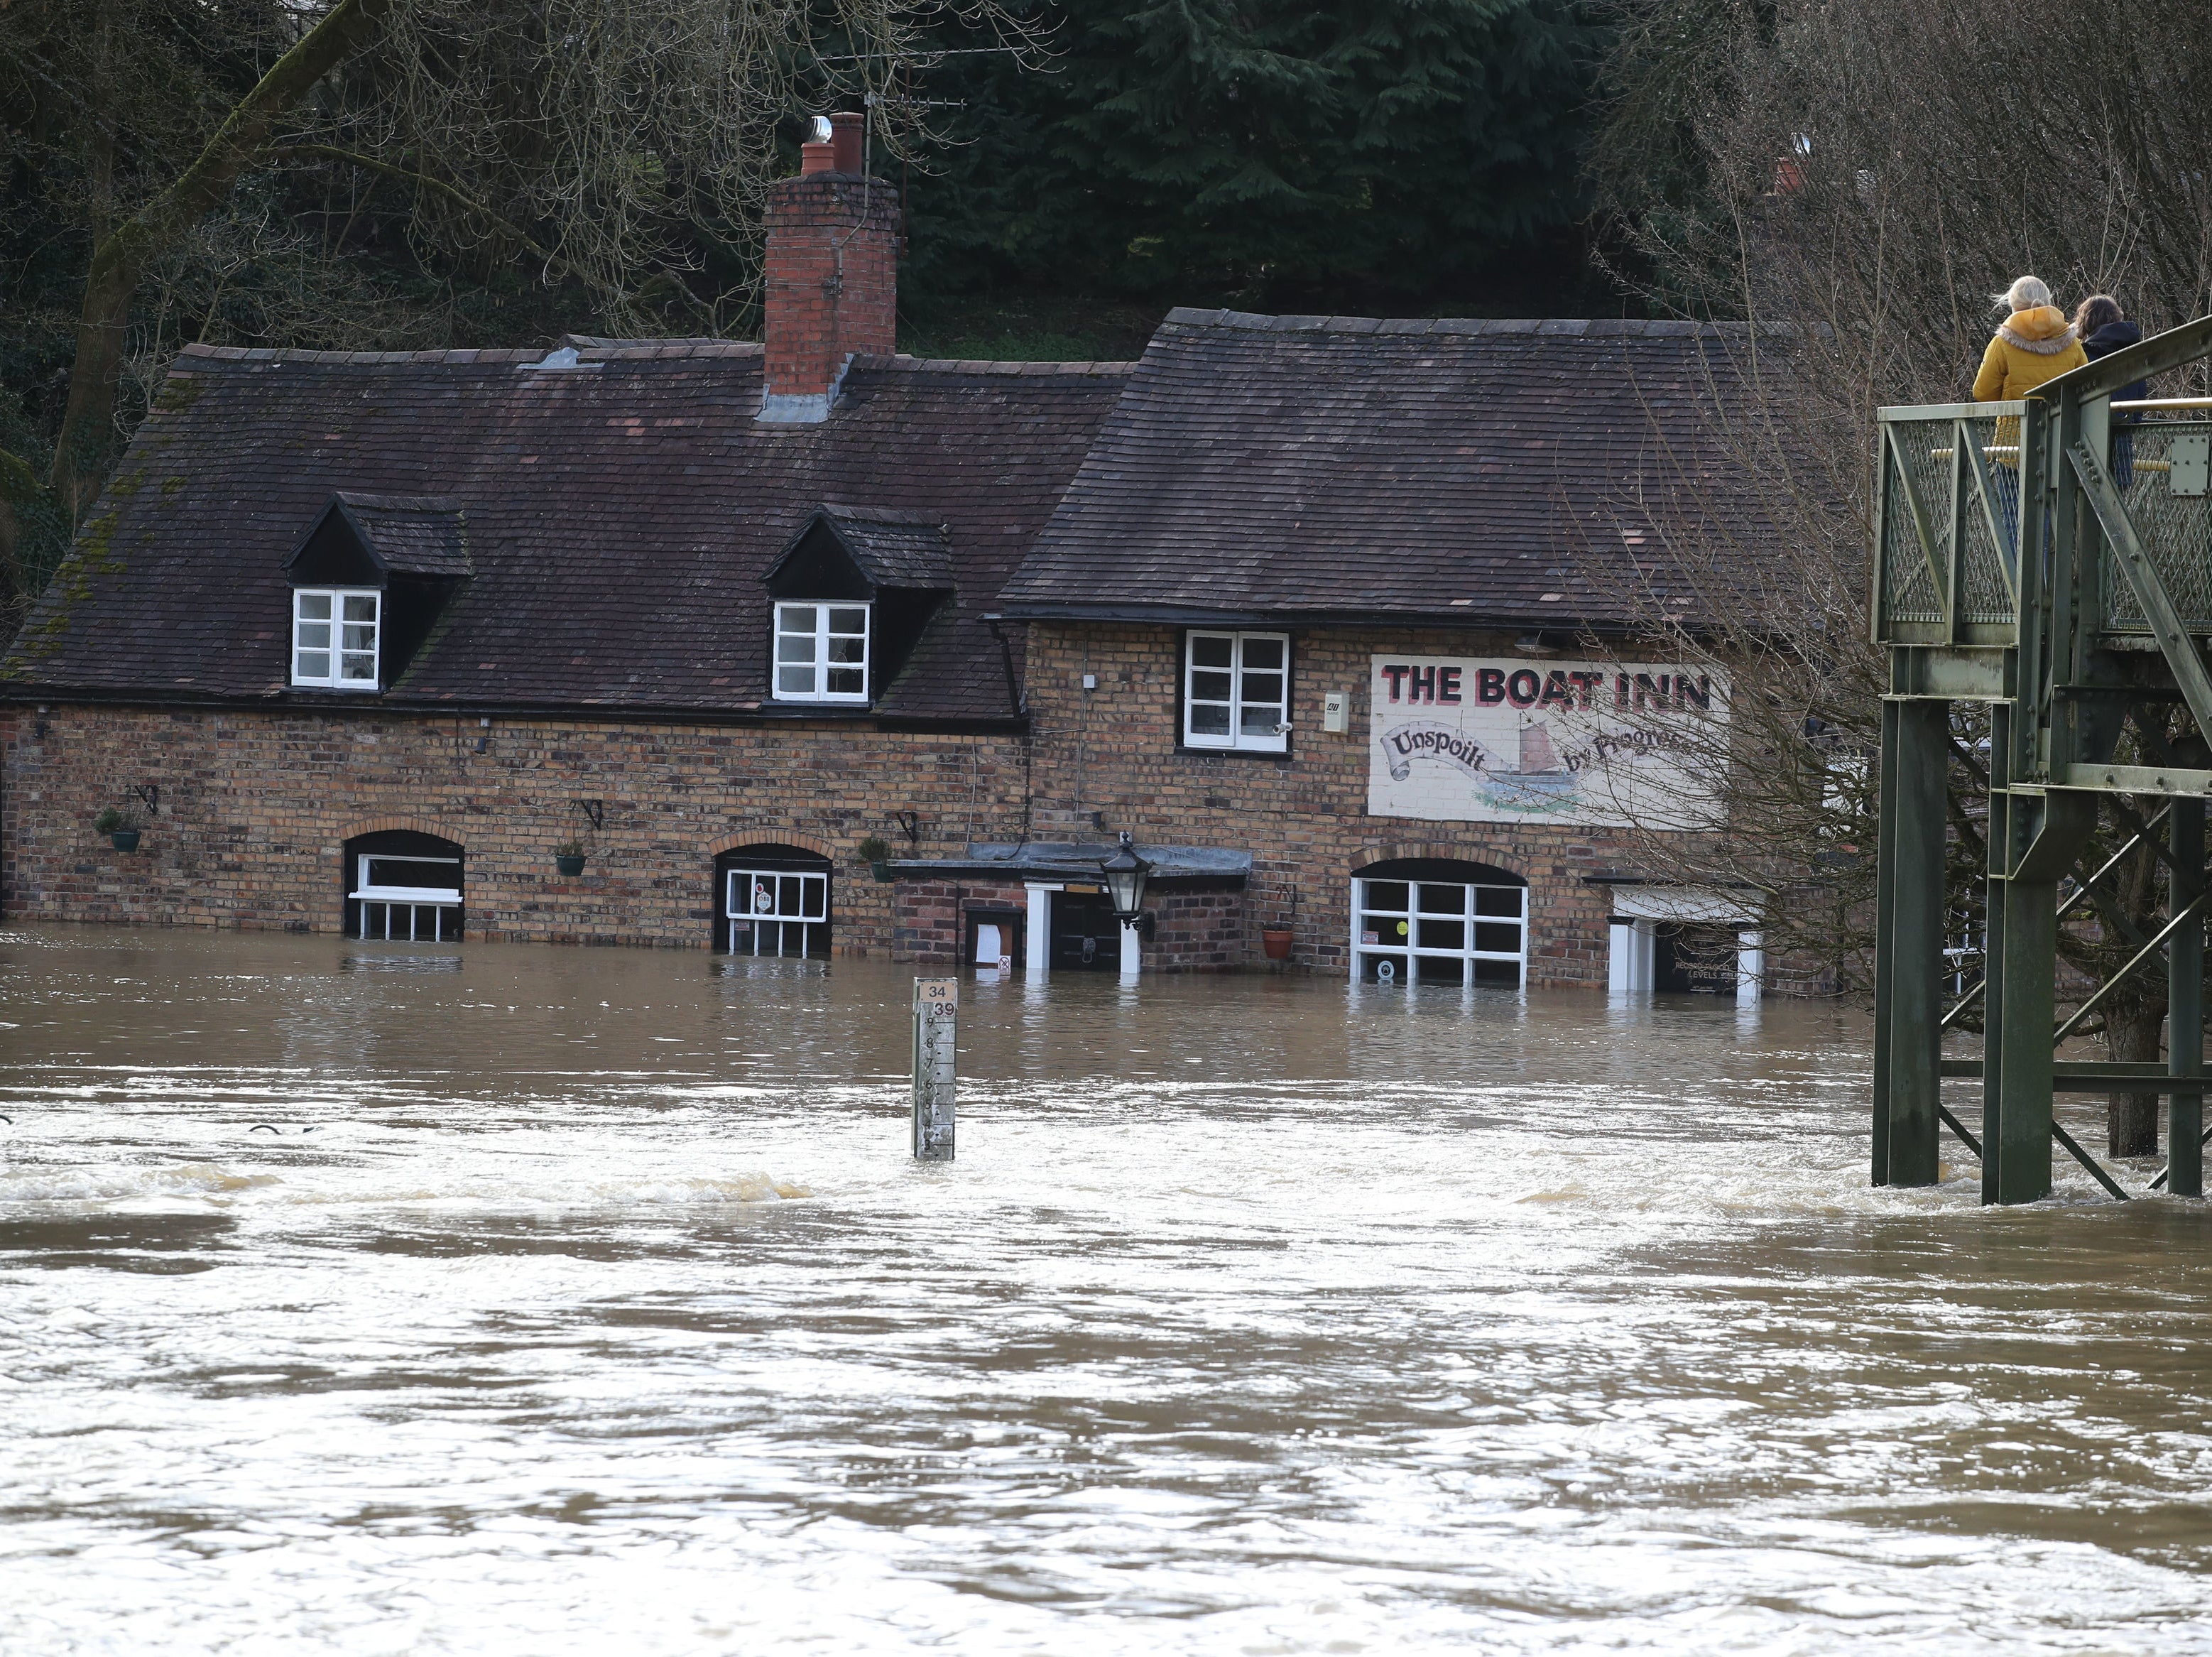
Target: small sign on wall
(1489, 740)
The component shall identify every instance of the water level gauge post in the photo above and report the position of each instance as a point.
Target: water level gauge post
(935, 1005)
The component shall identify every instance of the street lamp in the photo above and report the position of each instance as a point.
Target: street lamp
(1126, 874)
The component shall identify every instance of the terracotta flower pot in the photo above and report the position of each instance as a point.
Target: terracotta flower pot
(124, 840)
(1276, 940)
(571, 867)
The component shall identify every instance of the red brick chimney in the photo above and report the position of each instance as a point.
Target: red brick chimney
(832, 274)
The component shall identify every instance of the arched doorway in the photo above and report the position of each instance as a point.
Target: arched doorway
(1439, 920)
(772, 900)
(403, 884)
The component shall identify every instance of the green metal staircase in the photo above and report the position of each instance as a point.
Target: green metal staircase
(2055, 563)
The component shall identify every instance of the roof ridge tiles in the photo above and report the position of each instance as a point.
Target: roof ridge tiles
(612, 350)
(1184, 316)
(905, 364)
(884, 514)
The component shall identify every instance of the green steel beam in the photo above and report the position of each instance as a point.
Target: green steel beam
(1954, 552)
(1914, 810)
(2087, 1075)
(2137, 779)
(1940, 673)
(1885, 928)
(2136, 963)
(1917, 413)
(2184, 1003)
(2034, 838)
(2096, 1169)
(2017, 1078)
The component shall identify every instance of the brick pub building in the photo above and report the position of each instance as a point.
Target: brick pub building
(372, 643)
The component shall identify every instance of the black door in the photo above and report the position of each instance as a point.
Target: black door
(1085, 936)
(1694, 959)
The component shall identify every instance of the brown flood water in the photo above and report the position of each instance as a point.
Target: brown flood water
(1258, 1315)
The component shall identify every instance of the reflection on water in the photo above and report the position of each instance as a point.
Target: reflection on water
(429, 1300)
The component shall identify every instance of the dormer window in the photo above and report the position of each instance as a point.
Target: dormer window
(334, 637)
(822, 652)
(852, 594)
(369, 577)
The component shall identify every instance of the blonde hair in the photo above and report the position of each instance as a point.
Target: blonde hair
(2025, 295)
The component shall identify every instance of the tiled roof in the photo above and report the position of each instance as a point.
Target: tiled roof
(621, 504)
(410, 537)
(893, 548)
(1501, 472)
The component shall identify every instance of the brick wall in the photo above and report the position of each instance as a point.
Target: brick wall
(1194, 929)
(1114, 751)
(1197, 931)
(930, 915)
(829, 279)
(255, 807)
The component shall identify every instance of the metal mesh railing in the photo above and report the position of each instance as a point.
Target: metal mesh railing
(1985, 589)
(1918, 545)
(2176, 528)
(1908, 587)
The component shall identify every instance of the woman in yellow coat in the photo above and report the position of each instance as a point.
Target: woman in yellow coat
(2036, 343)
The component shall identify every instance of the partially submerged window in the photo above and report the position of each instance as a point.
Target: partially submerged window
(1235, 691)
(404, 886)
(772, 900)
(822, 652)
(1433, 920)
(334, 637)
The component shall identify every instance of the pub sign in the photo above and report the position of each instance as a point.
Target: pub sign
(1513, 740)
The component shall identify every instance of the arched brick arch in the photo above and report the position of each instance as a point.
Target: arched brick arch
(812, 843)
(412, 825)
(1382, 852)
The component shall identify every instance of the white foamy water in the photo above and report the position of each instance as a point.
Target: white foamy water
(541, 1301)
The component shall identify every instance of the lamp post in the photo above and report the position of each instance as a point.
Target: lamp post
(1125, 874)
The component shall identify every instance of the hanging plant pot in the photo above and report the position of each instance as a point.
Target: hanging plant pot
(1276, 940)
(123, 839)
(571, 865)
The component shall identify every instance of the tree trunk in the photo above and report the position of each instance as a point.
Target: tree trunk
(2131, 1034)
(121, 256)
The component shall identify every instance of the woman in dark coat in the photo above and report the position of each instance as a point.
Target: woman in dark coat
(2103, 328)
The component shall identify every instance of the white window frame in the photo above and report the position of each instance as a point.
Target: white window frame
(421, 914)
(363, 887)
(1411, 952)
(819, 663)
(741, 904)
(1277, 738)
(337, 597)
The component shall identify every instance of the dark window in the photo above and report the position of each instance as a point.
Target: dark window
(1437, 920)
(402, 885)
(772, 900)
